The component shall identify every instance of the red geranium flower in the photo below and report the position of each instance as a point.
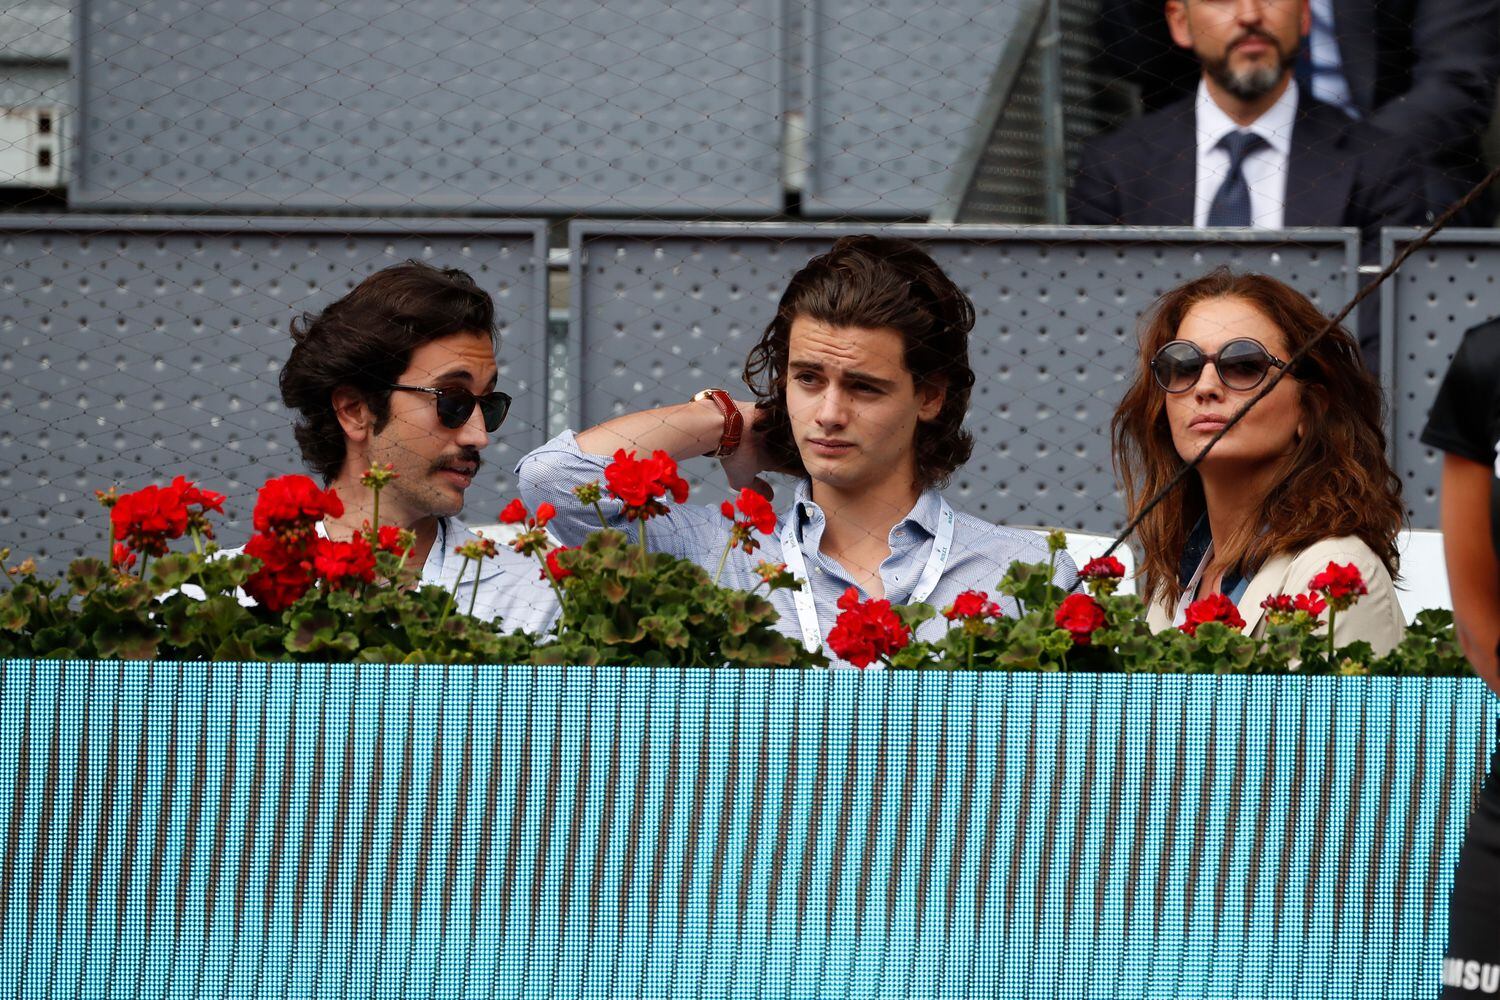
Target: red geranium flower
(972, 604)
(514, 513)
(389, 539)
(1341, 585)
(1311, 603)
(291, 505)
(122, 557)
(1213, 608)
(555, 567)
(1103, 568)
(342, 564)
(865, 631)
(149, 518)
(1279, 604)
(284, 576)
(1080, 615)
(759, 516)
(639, 484)
(665, 473)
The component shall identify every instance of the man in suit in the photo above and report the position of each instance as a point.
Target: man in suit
(1249, 149)
(1425, 69)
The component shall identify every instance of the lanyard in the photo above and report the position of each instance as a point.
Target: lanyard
(802, 597)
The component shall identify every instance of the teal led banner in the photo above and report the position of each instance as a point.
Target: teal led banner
(222, 830)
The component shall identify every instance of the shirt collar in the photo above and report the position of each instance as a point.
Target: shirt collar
(1275, 126)
(924, 514)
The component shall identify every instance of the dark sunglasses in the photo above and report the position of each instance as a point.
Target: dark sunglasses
(455, 405)
(1241, 364)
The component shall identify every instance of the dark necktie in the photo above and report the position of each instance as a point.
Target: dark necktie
(1231, 204)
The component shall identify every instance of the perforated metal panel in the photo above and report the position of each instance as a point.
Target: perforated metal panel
(896, 91)
(662, 311)
(1441, 291)
(134, 350)
(574, 106)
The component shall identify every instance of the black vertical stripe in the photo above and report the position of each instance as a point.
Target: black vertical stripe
(934, 811)
(784, 813)
(460, 814)
(1122, 764)
(1444, 805)
(1047, 858)
(1205, 800)
(606, 823)
(518, 815)
(1413, 799)
(132, 827)
(1290, 837)
(1382, 813)
(1351, 814)
(282, 822)
(544, 830)
(1226, 849)
(725, 820)
(374, 786)
(101, 823)
(872, 820)
(393, 855)
(992, 816)
(758, 788)
(1073, 878)
(1169, 831)
(1320, 822)
(309, 829)
(1142, 818)
(252, 809)
(1262, 812)
(1023, 818)
(18, 797)
(814, 821)
(197, 789)
(336, 842)
(903, 810)
(429, 807)
(491, 811)
(42, 843)
(633, 827)
(75, 827)
(664, 821)
(960, 835)
(845, 814)
(162, 824)
(576, 813)
(695, 814)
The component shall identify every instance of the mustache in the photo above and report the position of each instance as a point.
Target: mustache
(1257, 34)
(468, 455)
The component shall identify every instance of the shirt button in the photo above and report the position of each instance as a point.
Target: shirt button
(899, 533)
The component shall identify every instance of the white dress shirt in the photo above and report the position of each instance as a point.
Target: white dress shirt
(1265, 168)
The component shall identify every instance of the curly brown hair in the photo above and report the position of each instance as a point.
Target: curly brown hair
(875, 282)
(365, 341)
(1337, 480)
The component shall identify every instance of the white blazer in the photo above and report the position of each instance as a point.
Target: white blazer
(1376, 617)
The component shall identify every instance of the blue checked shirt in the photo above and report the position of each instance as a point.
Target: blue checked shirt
(981, 551)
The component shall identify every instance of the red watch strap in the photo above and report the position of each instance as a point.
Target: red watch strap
(734, 422)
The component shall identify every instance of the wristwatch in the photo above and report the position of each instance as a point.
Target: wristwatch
(734, 422)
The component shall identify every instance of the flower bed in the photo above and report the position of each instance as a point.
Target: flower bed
(315, 599)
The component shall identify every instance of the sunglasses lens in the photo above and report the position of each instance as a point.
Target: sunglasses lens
(1243, 364)
(494, 407)
(454, 405)
(1176, 367)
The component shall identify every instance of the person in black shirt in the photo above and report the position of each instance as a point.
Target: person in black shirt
(1465, 425)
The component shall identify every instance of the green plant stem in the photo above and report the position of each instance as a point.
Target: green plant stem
(643, 539)
(547, 572)
(723, 557)
(375, 514)
(603, 523)
(475, 595)
(146, 558)
(971, 650)
(109, 558)
(453, 596)
(1331, 647)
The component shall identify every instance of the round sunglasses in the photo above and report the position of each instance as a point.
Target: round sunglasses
(455, 405)
(1241, 364)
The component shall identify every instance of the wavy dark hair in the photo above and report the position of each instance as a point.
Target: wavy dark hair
(875, 282)
(1337, 480)
(365, 341)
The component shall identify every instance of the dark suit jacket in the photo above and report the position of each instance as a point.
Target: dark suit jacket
(1340, 173)
(1419, 68)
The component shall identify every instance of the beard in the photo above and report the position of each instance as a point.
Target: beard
(1255, 83)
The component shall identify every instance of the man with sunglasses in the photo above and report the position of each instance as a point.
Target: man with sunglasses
(401, 372)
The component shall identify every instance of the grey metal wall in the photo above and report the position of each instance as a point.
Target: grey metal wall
(660, 311)
(132, 350)
(574, 106)
(1444, 289)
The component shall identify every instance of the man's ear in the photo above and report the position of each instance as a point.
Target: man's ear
(1177, 23)
(353, 413)
(932, 394)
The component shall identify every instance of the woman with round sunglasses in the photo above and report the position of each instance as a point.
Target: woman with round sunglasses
(1301, 481)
